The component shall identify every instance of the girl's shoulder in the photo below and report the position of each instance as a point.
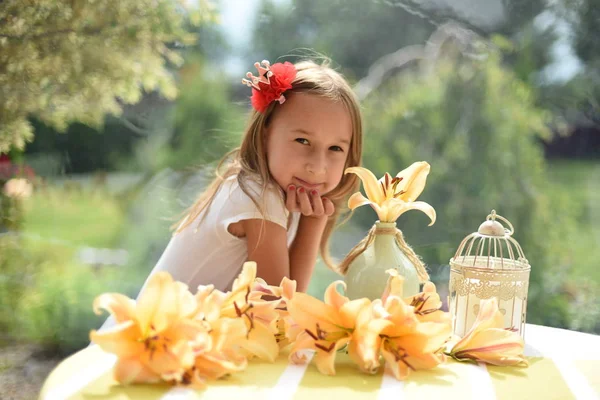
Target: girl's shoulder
(252, 186)
(252, 199)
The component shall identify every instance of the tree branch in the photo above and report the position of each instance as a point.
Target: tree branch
(138, 132)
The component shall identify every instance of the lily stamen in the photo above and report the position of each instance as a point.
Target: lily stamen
(399, 353)
(321, 333)
(327, 349)
(312, 335)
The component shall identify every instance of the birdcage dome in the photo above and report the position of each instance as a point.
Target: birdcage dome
(492, 247)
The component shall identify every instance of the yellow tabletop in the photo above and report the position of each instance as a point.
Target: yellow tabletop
(563, 365)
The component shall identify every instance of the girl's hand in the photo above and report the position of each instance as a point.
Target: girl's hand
(310, 204)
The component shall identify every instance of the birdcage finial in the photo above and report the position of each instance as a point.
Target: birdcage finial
(491, 227)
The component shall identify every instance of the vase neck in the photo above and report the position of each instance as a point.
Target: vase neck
(385, 228)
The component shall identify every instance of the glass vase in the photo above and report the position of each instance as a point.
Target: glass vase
(366, 275)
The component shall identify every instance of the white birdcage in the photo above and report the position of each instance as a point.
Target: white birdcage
(489, 263)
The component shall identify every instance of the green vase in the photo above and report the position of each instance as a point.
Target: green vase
(366, 276)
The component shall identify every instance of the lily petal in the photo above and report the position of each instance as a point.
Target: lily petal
(308, 312)
(303, 342)
(227, 332)
(399, 369)
(261, 342)
(214, 366)
(398, 207)
(172, 360)
(122, 339)
(333, 297)
(494, 346)
(413, 180)
(350, 311)
(325, 360)
(366, 340)
(394, 285)
(158, 304)
(244, 281)
(288, 288)
(357, 200)
(121, 307)
(132, 370)
(370, 183)
(488, 317)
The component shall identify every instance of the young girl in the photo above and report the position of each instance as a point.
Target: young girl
(281, 191)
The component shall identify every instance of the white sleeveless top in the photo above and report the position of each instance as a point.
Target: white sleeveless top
(205, 252)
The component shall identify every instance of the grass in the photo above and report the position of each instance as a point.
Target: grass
(581, 179)
(74, 216)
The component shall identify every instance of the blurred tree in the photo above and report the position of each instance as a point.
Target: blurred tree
(477, 124)
(575, 102)
(583, 16)
(207, 124)
(527, 52)
(77, 61)
(355, 33)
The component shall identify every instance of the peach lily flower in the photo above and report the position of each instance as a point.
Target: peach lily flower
(408, 344)
(154, 339)
(488, 341)
(288, 330)
(427, 305)
(218, 354)
(410, 333)
(326, 326)
(287, 325)
(392, 197)
(260, 315)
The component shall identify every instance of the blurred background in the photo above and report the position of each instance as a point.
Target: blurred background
(115, 113)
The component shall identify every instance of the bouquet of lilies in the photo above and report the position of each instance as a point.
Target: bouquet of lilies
(171, 335)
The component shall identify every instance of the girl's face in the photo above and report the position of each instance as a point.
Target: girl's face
(308, 140)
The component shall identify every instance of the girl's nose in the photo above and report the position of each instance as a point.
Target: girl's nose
(316, 165)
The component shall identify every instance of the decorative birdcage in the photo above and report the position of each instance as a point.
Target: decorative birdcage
(489, 263)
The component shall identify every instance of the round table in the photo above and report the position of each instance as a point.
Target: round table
(563, 365)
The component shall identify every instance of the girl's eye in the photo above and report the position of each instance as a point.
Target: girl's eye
(336, 148)
(302, 140)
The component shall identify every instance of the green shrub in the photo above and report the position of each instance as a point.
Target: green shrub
(57, 313)
(15, 277)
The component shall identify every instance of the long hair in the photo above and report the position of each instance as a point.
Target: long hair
(249, 161)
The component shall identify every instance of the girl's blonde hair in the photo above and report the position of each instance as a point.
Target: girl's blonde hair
(249, 161)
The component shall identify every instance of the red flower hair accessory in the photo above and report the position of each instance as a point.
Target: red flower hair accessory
(271, 82)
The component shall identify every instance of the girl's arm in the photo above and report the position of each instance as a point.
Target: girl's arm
(304, 250)
(267, 246)
(267, 241)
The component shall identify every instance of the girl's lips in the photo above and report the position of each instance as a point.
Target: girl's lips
(306, 184)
